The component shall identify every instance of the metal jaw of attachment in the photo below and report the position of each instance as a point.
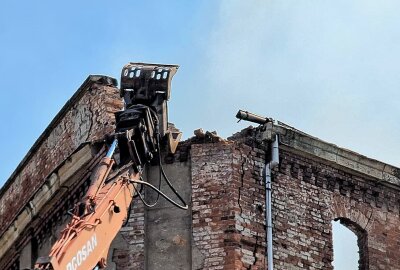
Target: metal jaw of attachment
(150, 85)
(146, 83)
(146, 89)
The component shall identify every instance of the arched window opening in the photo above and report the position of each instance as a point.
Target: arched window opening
(349, 245)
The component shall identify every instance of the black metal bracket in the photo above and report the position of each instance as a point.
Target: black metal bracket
(149, 85)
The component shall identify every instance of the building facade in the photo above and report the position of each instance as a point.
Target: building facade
(223, 180)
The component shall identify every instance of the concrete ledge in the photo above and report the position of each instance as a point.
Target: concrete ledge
(42, 199)
(88, 116)
(92, 79)
(305, 143)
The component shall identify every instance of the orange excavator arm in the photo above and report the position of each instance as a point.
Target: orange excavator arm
(85, 241)
(140, 129)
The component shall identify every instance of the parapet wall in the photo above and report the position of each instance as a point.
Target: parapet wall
(87, 117)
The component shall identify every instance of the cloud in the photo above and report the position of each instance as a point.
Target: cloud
(328, 68)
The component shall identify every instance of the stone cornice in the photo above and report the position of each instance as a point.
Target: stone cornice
(332, 153)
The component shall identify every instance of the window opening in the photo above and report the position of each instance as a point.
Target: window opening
(349, 245)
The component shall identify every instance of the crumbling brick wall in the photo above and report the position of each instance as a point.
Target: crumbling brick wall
(225, 224)
(228, 198)
(87, 117)
(309, 195)
(131, 254)
(158, 237)
(228, 206)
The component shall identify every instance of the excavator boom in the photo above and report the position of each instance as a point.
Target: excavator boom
(140, 129)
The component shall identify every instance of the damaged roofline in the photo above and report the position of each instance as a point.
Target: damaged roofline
(295, 139)
(305, 143)
(90, 80)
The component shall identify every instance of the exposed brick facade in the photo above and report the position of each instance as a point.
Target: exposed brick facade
(88, 118)
(310, 194)
(224, 228)
(227, 200)
(131, 256)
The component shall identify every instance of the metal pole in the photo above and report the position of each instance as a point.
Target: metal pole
(244, 115)
(268, 215)
(248, 116)
(268, 199)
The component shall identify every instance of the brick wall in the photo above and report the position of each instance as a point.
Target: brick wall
(228, 196)
(308, 194)
(87, 116)
(302, 233)
(131, 254)
(225, 225)
(228, 221)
